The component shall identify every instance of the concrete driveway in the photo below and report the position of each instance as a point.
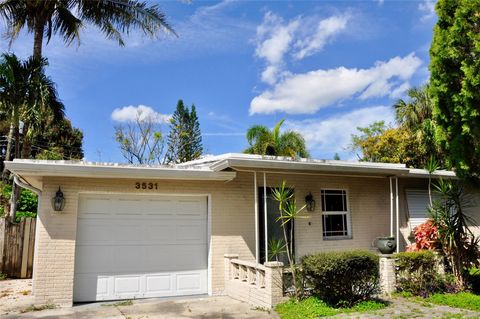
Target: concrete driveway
(206, 307)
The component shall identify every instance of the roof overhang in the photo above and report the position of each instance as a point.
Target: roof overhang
(340, 167)
(38, 168)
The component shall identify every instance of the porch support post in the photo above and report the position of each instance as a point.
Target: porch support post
(265, 214)
(391, 206)
(397, 235)
(255, 190)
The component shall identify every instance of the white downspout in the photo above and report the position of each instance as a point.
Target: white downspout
(391, 206)
(398, 215)
(17, 181)
(257, 246)
(265, 213)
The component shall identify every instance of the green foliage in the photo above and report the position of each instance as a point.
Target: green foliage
(264, 141)
(288, 212)
(185, 138)
(342, 278)
(411, 142)
(459, 245)
(66, 18)
(455, 83)
(276, 247)
(27, 203)
(314, 307)
(336, 157)
(57, 140)
(3, 276)
(462, 300)
(474, 280)
(417, 273)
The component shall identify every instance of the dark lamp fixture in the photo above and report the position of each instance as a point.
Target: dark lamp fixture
(310, 202)
(58, 202)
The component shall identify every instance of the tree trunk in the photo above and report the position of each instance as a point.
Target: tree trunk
(15, 188)
(8, 153)
(38, 39)
(26, 145)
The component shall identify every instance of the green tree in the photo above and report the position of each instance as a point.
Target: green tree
(264, 141)
(67, 17)
(184, 138)
(26, 96)
(379, 143)
(455, 84)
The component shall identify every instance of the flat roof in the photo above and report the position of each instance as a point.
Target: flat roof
(220, 167)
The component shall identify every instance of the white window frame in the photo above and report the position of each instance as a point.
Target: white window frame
(346, 213)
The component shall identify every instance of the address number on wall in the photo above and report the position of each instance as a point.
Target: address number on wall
(145, 185)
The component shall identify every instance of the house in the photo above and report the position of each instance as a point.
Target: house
(136, 232)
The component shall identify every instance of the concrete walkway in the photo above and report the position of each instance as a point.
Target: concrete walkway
(203, 308)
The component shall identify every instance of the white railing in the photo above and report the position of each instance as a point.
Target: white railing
(249, 272)
(257, 284)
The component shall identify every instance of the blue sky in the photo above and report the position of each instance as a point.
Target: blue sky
(324, 66)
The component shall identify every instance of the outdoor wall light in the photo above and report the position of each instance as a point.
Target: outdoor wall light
(310, 202)
(58, 202)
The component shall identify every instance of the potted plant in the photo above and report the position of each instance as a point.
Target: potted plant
(386, 244)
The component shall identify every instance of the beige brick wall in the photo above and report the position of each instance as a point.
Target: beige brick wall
(233, 220)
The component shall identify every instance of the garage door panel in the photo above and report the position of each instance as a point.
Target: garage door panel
(140, 247)
(160, 283)
(94, 207)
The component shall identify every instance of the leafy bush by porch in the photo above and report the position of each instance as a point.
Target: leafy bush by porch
(342, 278)
(417, 274)
(314, 307)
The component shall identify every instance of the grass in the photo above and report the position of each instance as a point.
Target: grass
(3, 276)
(38, 308)
(119, 304)
(314, 307)
(464, 300)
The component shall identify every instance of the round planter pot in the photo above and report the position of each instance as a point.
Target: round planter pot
(386, 245)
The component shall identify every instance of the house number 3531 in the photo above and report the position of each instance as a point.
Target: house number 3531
(144, 185)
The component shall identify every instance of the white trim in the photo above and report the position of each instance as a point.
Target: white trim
(265, 214)
(208, 196)
(255, 192)
(47, 168)
(347, 213)
(398, 215)
(391, 206)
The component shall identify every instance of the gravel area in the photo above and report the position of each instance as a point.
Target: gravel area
(15, 294)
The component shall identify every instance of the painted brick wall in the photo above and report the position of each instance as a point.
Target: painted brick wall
(233, 220)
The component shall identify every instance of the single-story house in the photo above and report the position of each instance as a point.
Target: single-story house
(141, 231)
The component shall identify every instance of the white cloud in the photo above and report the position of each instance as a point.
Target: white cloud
(326, 29)
(333, 134)
(306, 93)
(299, 38)
(427, 7)
(400, 90)
(132, 113)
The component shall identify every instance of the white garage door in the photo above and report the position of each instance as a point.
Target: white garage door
(140, 247)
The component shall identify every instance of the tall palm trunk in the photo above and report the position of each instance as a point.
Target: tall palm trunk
(26, 143)
(38, 40)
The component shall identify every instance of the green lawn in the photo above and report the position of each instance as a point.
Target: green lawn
(463, 300)
(313, 308)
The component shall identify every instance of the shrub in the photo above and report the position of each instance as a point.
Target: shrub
(426, 237)
(417, 274)
(26, 205)
(342, 278)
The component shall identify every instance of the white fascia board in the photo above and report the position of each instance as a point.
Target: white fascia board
(423, 173)
(37, 168)
(342, 167)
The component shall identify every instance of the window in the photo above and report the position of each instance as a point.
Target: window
(336, 216)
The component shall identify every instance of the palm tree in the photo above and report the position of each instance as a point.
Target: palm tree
(66, 18)
(416, 110)
(26, 95)
(264, 141)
